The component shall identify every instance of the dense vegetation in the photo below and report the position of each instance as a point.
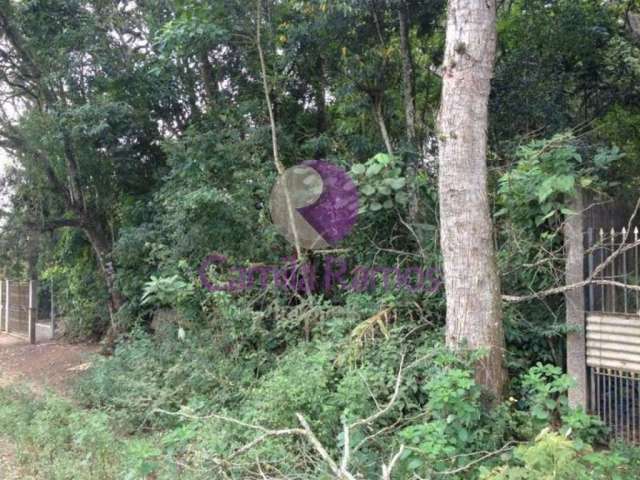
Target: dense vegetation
(141, 143)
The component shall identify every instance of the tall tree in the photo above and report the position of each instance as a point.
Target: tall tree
(472, 284)
(83, 142)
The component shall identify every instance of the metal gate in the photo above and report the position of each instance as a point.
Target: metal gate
(18, 309)
(613, 331)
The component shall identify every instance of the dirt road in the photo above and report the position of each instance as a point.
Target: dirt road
(49, 365)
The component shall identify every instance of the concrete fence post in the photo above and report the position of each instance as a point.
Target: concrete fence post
(7, 304)
(574, 299)
(52, 314)
(2, 327)
(33, 310)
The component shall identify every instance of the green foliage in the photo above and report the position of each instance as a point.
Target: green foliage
(544, 387)
(544, 395)
(79, 292)
(456, 424)
(438, 414)
(534, 197)
(380, 183)
(554, 457)
(56, 441)
(166, 292)
(546, 176)
(558, 58)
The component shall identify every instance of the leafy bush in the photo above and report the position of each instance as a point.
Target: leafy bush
(166, 291)
(544, 393)
(381, 183)
(554, 457)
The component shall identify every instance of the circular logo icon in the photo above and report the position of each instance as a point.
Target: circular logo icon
(314, 204)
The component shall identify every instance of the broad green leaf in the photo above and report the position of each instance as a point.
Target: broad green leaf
(565, 183)
(368, 190)
(382, 159)
(358, 169)
(397, 183)
(374, 169)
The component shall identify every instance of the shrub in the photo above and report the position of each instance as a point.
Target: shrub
(555, 457)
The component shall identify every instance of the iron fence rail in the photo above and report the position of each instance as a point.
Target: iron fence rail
(613, 329)
(613, 258)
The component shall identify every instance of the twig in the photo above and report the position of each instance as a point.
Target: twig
(505, 448)
(337, 471)
(393, 399)
(386, 469)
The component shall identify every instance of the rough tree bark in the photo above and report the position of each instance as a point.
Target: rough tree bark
(474, 314)
(102, 248)
(574, 299)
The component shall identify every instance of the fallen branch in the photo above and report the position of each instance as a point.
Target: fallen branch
(340, 471)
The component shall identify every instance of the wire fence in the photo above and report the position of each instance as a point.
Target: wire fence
(17, 308)
(27, 309)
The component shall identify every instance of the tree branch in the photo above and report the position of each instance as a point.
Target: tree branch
(592, 276)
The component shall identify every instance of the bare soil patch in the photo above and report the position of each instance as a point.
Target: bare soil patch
(47, 365)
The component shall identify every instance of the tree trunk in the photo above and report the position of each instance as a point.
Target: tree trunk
(474, 313)
(379, 116)
(574, 299)
(320, 96)
(409, 94)
(408, 84)
(102, 249)
(33, 253)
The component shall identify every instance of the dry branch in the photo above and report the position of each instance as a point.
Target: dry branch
(592, 279)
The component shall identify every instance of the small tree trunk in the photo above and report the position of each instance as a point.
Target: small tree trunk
(474, 313)
(319, 93)
(33, 251)
(408, 86)
(574, 299)
(379, 115)
(407, 74)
